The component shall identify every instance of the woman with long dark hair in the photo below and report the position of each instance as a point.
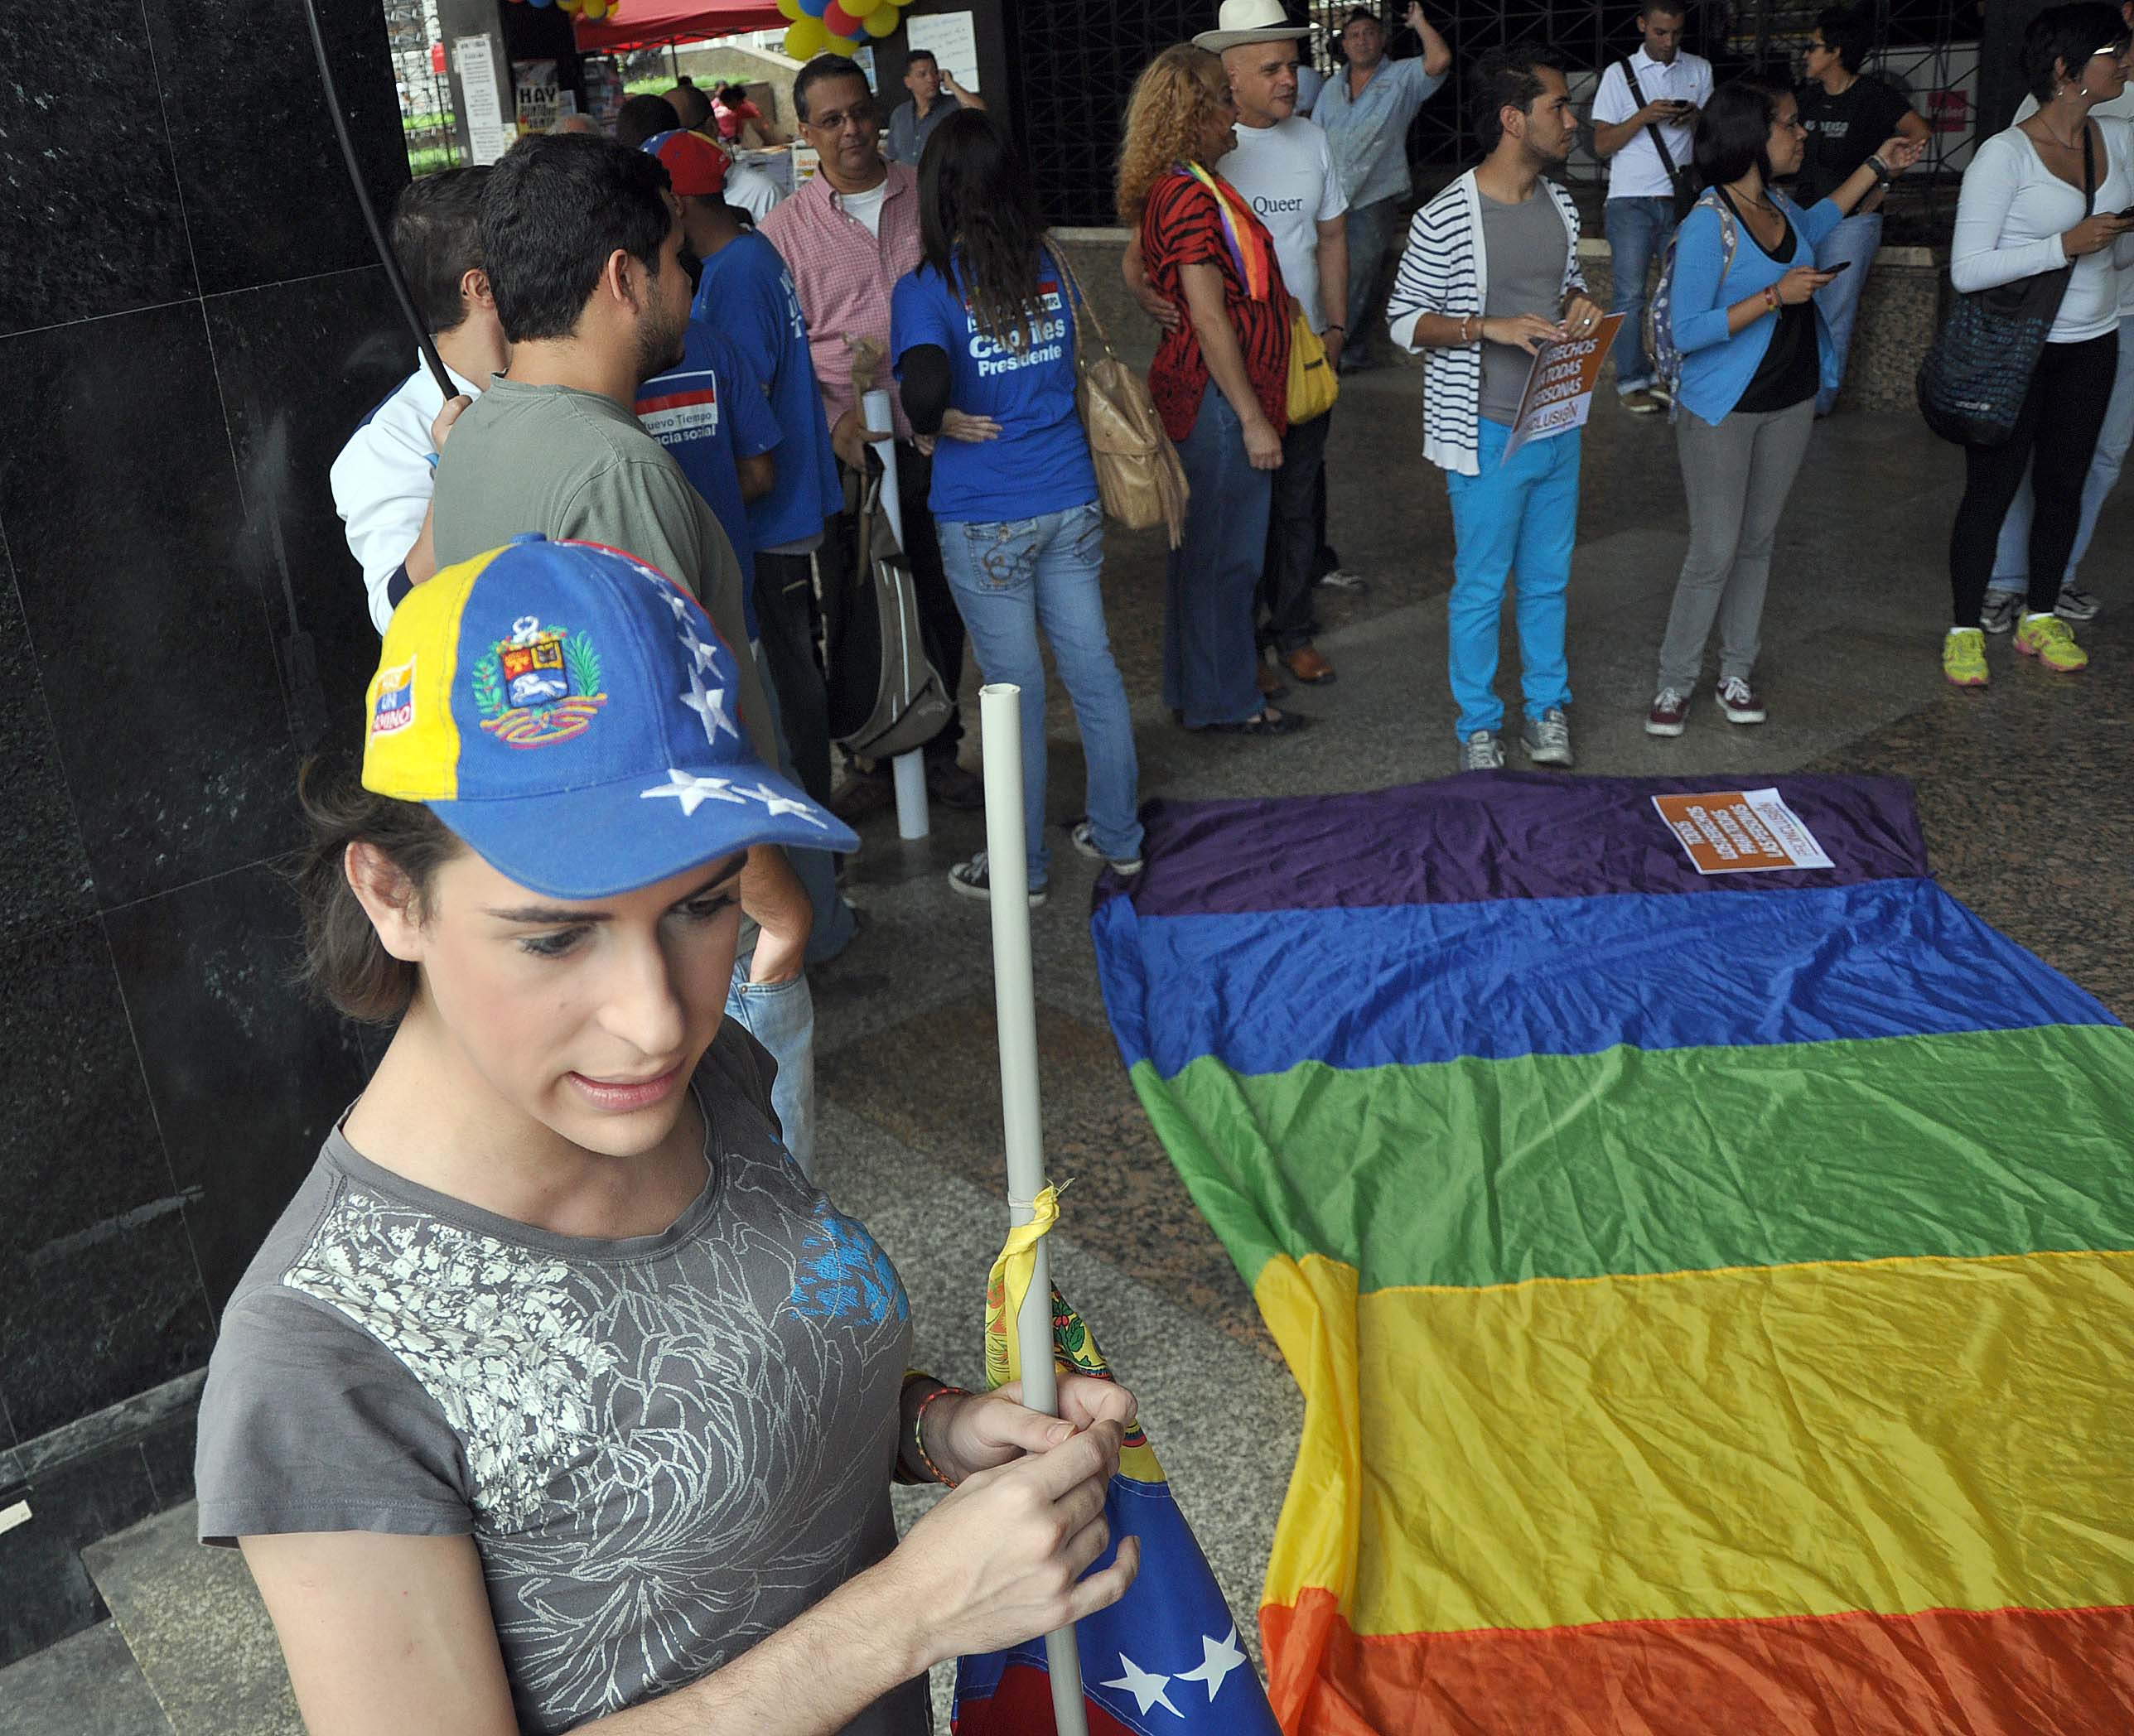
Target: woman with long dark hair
(1220, 378)
(982, 335)
(1753, 345)
(2024, 211)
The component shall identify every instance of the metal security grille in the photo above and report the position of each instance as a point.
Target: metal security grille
(1074, 63)
(416, 39)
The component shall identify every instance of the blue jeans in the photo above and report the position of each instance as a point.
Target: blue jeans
(1371, 229)
(2011, 558)
(1210, 662)
(835, 921)
(1838, 300)
(1011, 577)
(1638, 229)
(1520, 518)
(781, 1016)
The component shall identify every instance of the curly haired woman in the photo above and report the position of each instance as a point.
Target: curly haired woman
(1220, 378)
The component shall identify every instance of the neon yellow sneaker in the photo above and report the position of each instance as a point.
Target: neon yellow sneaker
(1964, 658)
(2051, 641)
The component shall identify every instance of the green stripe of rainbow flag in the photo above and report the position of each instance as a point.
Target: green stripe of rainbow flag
(1711, 1297)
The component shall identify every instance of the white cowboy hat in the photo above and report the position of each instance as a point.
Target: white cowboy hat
(1248, 20)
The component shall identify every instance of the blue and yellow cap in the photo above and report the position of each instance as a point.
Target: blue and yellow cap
(574, 716)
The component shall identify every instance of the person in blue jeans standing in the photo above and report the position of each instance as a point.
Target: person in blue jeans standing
(1490, 276)
(1643, 113)
(1846, 116)
(982, 337)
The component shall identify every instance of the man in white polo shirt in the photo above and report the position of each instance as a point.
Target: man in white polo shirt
(1644, 114)
(1283, 167)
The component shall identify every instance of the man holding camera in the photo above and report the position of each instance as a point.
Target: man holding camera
(1643, 116)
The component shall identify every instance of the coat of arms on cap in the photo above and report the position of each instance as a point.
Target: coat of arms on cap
(541, 685)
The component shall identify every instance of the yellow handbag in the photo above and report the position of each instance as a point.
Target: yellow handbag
(1313, 384)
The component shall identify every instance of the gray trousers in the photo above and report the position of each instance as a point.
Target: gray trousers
(1737, 475)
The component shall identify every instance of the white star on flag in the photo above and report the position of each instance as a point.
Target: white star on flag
(701, 650)
(692, 792)
(1147, 1690)
(1221, 1657)
(775, 804)
(675, 600)
(710, 705)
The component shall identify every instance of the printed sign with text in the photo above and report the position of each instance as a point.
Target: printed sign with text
(1741, 831)
(1559, 393)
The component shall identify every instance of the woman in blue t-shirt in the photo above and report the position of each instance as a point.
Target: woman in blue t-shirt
(983, 338)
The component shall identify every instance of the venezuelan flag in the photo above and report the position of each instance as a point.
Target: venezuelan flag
(1712, 1297)
(1165, 1656)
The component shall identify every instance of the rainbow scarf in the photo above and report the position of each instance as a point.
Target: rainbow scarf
(1251, 248)
(1711, 1297)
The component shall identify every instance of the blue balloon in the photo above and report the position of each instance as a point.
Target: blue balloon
(814, 8)
(542, 2)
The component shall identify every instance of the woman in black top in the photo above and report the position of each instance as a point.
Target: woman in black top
(1847, 115)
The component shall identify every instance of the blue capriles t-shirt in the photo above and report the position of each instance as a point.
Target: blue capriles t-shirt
(747, 294)
(711, 412)
(1041, 463)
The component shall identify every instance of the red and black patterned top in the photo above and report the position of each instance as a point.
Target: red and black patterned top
(1181, 225)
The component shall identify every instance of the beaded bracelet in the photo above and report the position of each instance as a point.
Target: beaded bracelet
(918, 1431)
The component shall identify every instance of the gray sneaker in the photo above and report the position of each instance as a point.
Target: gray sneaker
(2000, 611)
(1546, 740)
(1482, 752)
(2076, 605)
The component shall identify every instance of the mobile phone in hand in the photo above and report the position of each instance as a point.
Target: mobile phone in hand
(1842, 265)
(2125, 215)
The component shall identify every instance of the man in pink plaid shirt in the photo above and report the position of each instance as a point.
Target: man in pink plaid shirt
(847, 237)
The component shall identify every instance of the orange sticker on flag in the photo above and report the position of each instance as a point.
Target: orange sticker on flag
(1741, 831)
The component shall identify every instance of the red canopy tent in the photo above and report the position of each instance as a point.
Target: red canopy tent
(650, 23)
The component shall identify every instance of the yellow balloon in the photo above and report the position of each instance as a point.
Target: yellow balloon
(806, 38)
(844, 46)
(594, 9)
(882, 20)
(791, 9)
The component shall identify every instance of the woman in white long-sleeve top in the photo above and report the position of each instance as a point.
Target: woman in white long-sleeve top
(2021, 213)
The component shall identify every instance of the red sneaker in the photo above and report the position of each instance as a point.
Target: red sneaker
(1668, 713)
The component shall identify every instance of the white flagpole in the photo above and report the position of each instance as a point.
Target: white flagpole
(1015, 1005)
(909, 769)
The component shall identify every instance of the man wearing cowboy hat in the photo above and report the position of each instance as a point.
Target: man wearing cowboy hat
(1365, 111)
(1282, 166)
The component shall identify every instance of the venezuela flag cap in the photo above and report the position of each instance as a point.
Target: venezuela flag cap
(574, 717)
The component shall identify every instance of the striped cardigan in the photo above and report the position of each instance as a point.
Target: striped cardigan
(1445, 270)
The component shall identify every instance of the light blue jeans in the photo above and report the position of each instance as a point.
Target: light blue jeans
(1855, 239)
(1515, 522)
(835, 921)
(781, 1016)
(1638, 229)
(1011, 577)
(2012, 557)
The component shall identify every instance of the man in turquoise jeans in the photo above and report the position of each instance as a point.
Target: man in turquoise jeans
(1490, 276)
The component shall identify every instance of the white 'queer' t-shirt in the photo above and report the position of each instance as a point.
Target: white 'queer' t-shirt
(1287, 174)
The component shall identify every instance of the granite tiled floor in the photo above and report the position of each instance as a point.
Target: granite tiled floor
(2025, 788)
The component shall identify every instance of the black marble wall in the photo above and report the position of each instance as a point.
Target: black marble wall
(191, 324)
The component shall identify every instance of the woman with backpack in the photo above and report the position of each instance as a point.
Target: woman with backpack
(982, 336)
(1743, 325)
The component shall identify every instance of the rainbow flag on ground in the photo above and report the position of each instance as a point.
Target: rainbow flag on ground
(1711, 1295)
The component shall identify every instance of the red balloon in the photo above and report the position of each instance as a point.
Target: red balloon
(839, 21)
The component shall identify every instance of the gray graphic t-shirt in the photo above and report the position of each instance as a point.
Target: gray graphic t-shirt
(665, 1448)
